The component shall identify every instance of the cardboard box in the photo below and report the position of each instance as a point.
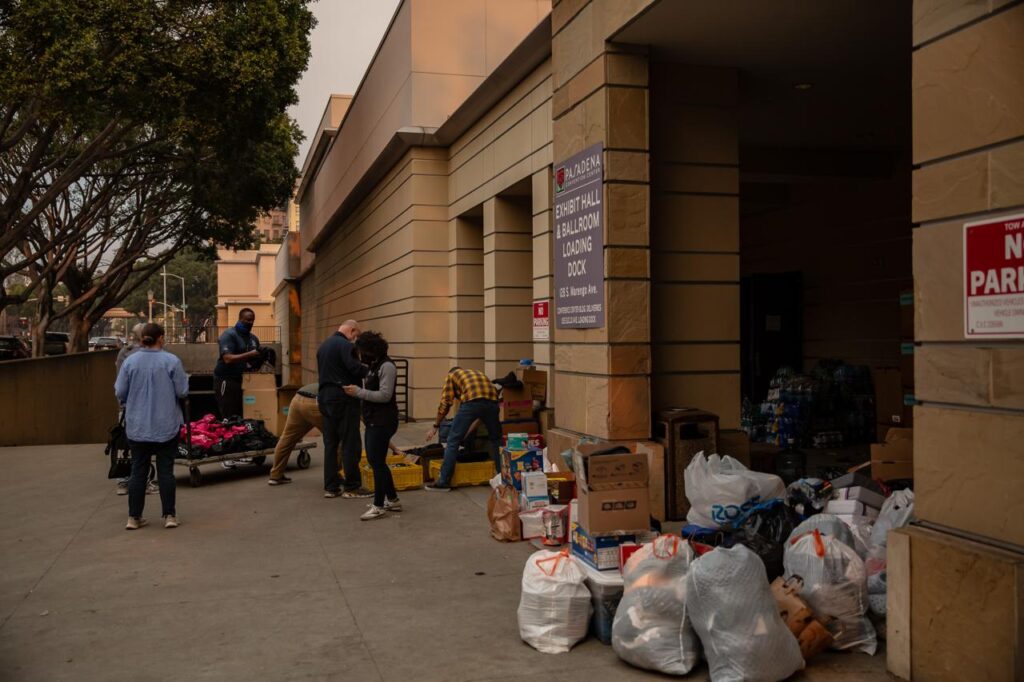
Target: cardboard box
(514, 463)
(516, 410)
(532, 503)
(522, 426)
(893, 459)
(612, 488)
(861, 494)
(953, 608)
(599, 551)
(561, 486)
(850, 507)
(259, 381)
(535, 382)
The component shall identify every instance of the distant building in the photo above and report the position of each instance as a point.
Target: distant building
(273, 226)
(245, 279)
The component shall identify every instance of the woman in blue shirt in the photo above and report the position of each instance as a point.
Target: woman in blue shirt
(149, 385)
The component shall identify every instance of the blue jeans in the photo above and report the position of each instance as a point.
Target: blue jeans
(141, 454)
(487, 412)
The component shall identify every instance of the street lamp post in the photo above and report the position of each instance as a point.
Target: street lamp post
(150, 299)
(165, 275)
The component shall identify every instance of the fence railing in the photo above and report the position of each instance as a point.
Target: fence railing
(210, 334)
(402, 388)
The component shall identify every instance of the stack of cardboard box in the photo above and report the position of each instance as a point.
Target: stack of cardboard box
(261, 399)
(518, 413)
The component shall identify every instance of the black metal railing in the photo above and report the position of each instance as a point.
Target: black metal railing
(402, 388)
(210, 333)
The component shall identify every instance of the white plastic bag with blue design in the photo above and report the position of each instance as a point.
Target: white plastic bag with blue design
(721, 489)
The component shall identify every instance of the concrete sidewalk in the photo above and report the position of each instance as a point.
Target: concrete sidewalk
(268, 583)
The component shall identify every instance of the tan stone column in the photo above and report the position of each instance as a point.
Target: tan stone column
(508, 283)
(602, 376)
(466, 293)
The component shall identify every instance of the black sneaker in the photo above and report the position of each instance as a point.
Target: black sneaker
(435, 488)
(279, 481)
(357, 494)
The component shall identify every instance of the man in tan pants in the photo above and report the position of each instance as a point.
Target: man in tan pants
(303, 417)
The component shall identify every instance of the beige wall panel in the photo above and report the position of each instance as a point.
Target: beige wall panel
(467, 280)
(1008, 376)
(541, 194)
(696, 357)
(508, 21)
(581, 85)
(583, 125)
(718, 393)
(542, 254)
(627, 165)
(625, 359)
(1006, 175)
(938, 284)
(542, 289)
(950, 188)
(696, 223)
(507, 268)
(582, 358)
(627, 214)
(969, 88)
(967, 470)
(627, 69)
(629, 263)
(952, 374)
(627, 118)
(697, 312)
(509, 296)
(572, 414)
(507, 352)
(696, 267)
(503, 242)
(448, 37)
(563, 11)
(468, 326)
(508, 324)
(628, 311)
(932, 18)
(628, 414)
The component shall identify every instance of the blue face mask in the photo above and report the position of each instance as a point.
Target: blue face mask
(243, 327)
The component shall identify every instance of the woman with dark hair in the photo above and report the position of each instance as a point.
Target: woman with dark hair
(149, 385)
(380, 415)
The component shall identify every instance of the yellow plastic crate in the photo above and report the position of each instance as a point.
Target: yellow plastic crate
(466, 473)
(390, 459)
(406, 476)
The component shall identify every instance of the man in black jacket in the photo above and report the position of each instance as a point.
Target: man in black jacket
(338, 367)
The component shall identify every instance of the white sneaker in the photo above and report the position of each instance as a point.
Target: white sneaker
(152, 488)
(374, 512)
(393, 506)
(135, 523)
(170, 522)
(122, 489)
(228, 464)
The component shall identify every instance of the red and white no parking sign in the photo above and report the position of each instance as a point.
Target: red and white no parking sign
(994, 278)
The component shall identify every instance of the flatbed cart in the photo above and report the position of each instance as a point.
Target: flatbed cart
(258, 457)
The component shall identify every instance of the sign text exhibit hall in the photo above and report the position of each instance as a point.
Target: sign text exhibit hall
(579, 240)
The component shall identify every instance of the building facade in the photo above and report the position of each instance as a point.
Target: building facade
(778, 185)
(246, 279)
(272, 227)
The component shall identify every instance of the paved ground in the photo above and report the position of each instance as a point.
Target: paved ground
(268, 584)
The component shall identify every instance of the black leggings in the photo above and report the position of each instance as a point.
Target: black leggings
(377, 439)
(229, 397)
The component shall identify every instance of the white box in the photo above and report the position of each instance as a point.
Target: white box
(529, 503)
(861, 494)
(841, 507)
(535, 484)
(533, 523)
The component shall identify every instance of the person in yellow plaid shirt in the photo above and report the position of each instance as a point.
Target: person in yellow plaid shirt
(478, 399)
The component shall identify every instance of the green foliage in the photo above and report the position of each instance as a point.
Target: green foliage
(200, 272)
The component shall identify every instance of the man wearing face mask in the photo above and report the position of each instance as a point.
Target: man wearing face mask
(239, 348)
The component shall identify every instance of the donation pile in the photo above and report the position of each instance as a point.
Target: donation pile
(210, 436)
(761, 580)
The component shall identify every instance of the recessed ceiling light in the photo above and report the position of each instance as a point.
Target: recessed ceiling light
(803, 86)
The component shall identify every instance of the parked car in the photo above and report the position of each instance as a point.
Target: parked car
(92, 342)
(56, 343)
(13, 348)
(107, 342)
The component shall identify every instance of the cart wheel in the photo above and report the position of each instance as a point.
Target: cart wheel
(195, 477)
(259, 461)
(303, 460)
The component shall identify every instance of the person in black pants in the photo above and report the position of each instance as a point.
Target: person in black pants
(338, 367)
(239, 347)
(380, 415)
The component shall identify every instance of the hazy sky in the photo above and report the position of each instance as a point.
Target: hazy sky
(346, 36)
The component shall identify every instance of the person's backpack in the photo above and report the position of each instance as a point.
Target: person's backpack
(117, 450)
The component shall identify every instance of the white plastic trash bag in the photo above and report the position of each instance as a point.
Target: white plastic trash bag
(897, 511)
(720, 489)
(652, 629)
(554, 609)
(835, 586)
(733, 611)
(828, 524)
